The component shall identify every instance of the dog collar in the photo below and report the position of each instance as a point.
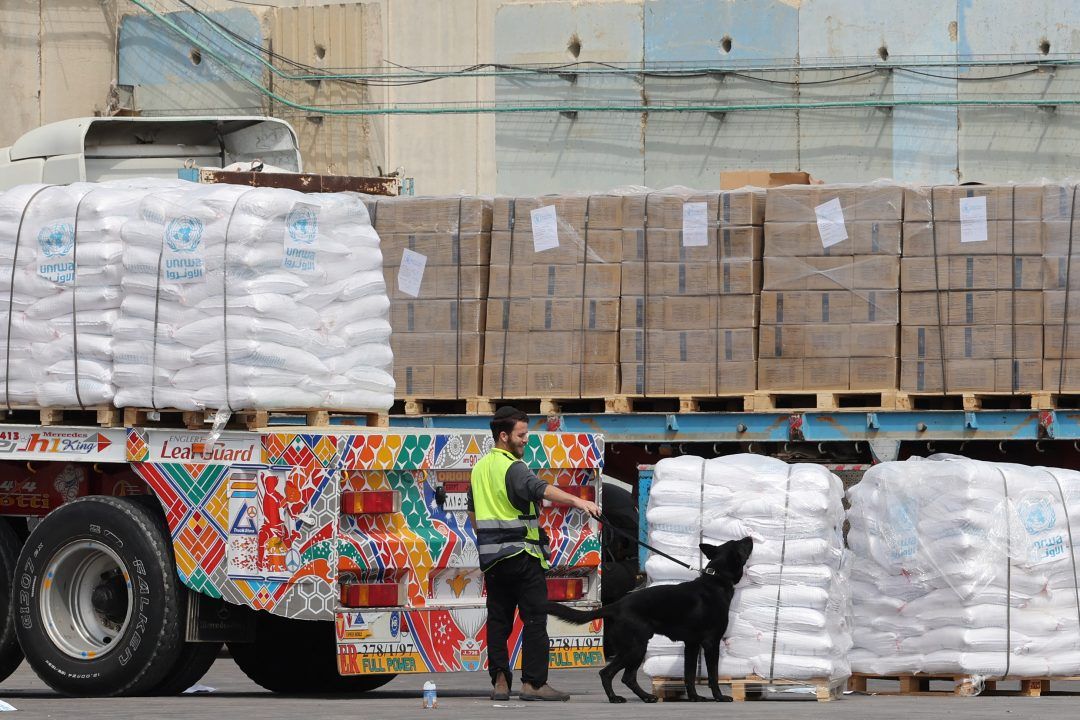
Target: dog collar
(708, 571)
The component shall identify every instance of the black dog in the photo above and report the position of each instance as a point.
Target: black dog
(694, 612)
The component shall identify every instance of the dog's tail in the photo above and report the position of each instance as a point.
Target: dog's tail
(576, 616)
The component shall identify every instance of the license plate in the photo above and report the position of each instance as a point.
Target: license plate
(455, 502)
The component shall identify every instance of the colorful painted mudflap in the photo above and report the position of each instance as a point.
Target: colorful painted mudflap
(425, 551)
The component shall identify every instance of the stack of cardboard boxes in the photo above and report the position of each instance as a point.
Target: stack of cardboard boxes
(1061, 281)
(691, 278)
(435, 263)
(553, 297)
(972, 276)
(829, 307)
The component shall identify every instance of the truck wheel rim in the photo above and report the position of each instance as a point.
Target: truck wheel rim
(85, 599)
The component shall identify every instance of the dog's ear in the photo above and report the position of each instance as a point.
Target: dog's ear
(708, 550)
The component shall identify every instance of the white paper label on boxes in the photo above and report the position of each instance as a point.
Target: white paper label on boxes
(695, 224)
(830, 223)
(545, 229)
(56, 251)
(973, 219)
(411, 272)
(301, 238)
(182, 256)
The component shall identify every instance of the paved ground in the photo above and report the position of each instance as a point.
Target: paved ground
(462, 696)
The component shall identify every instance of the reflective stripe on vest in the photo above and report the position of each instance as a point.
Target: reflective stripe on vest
(501, 529)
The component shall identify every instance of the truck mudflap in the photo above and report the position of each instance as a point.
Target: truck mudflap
(449, 640)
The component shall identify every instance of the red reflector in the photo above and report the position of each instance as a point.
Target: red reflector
(456, 487)
(585, 492)
(371, 595)
(369, 502)
(565, 588)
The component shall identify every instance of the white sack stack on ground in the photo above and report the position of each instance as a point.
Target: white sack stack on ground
(965, 567)
(791, 612)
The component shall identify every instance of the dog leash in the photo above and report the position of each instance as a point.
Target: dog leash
(619, 531)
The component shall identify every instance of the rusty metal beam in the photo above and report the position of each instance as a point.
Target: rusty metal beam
(305, 182)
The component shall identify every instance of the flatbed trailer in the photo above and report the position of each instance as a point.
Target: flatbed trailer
(329, 559)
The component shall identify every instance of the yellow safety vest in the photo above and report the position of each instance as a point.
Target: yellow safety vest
(502, 530)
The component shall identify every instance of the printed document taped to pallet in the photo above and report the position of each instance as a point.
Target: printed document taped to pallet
(545, 229)
(973, 219)
(695, 224)
(830, 223)
(411, 273)
(301, 238)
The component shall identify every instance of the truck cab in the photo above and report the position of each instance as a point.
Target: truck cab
(94, 149)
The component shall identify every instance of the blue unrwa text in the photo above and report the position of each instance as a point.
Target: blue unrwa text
(300, 260)
(184, 269)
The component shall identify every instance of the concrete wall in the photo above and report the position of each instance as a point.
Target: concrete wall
(65, 48)
(57, 58)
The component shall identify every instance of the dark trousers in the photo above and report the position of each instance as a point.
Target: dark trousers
(517, 583)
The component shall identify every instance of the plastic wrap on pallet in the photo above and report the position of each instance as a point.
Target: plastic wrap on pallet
(436, 253)
(965, 567)
(790, 616)
(830, 298)
(691, 279)
(244, 298)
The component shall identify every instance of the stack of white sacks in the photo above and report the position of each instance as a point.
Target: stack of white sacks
(791, 612)
(177, 295)
(965, 567)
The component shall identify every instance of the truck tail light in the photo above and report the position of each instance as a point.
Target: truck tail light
(370, 502)
(384, 594)
(559, 589)
(456, 487)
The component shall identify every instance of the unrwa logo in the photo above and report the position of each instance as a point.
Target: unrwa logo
(56, 239)
(1037, 514)
(303, 224)
(184, 234)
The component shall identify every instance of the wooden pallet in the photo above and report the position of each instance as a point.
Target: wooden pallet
(250, 419)
(766, 400)
(429, 406)
(749, 688)
(972, 401)
(619, 404)
(962, 685)
(100, 415)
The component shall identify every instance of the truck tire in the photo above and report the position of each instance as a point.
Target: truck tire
(312, 653)
(99, 601)
(11, 655)
(194, 662)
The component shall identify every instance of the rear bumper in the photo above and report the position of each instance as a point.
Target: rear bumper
(449, 640)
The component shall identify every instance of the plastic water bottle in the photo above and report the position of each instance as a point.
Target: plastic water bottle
(431, 699)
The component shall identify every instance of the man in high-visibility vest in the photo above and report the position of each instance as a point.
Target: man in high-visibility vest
(503, 499)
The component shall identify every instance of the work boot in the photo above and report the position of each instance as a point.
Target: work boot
(501, 688)
(544, 692)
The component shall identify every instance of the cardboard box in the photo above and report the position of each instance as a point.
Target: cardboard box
(734, 179)
(555, 281)
(1060, 272)
(450, 214)
(827, 341)
(423, 316)
(734, 277)
(665, 210)
(871, 272)
(440, 249)
(978, 307)
(971, 375)
(541, 314)
(690, 313)
(603, 246)
(1001, 200)
(1061, 375)
(442, 284)
(800, 307)
(1054, 306)
(505, 381)
(1003, 237)
(690, 379)
(731, 243)
(800, 239)
(569, 381)
(548, 348)
(687, 346)
(976, 342)
(604, 212)
(809, 375)
(972, 272)
(437, 348)
(435, 382)
(1061, 341)
(799, 204)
